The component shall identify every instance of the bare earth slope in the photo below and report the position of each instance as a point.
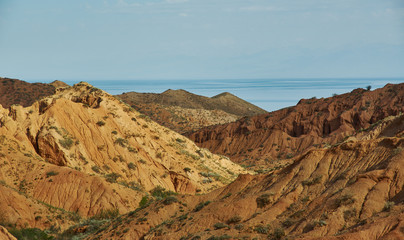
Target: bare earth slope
(183, 111)
(263, 139)
(353, 190)
(81, 152)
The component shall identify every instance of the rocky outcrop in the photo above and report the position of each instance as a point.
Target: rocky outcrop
(263, 139)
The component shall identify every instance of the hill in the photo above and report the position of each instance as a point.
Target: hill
(352, 190)
(183, 111)
(265, 139)
(81, 153)
(14, 91)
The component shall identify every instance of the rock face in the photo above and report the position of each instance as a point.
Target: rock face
(81, 152)
(353, 190)
(264, 139)
(13, 91)
(183, 111)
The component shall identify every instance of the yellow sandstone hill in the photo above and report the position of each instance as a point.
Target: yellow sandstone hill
(81, 152)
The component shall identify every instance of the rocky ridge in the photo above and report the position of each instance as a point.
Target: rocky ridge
(265, 139)
(183, 111)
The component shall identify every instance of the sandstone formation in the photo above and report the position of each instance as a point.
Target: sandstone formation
(353, 190)
(81, 153)
(265, 139)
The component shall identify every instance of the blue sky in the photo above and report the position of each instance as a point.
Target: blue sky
(200, 39)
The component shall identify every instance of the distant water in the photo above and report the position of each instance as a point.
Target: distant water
(269, 94)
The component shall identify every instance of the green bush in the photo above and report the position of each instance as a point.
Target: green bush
(51, 173)
(30, 233)
(131, 165)
(121, 142)
(220, 225)
(66, 142)
(100, 123)
(170, 200)
(234, 219)
(201, 205)
(107, 214)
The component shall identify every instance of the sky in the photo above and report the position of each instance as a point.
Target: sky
(200, 39)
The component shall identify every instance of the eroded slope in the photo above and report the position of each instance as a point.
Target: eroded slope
(353, 190)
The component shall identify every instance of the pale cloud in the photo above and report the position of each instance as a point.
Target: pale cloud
(183, 14)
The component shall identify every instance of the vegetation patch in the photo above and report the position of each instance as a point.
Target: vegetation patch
(66, 142)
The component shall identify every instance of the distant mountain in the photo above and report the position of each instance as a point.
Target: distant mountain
(183, 111)
(14, 91)
(265, 139)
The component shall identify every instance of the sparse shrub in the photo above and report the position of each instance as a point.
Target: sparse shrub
(278, 234)
(226, 196)
(169, 200)
(239, 227)
(289, 156)
(263, 200)
(288, 222)
(131, 165)
(131, 149)
(160, 193)
(106, 214)
(223, 237)
(100, 123)
(261, 229)
(368, 88)
(234, 219)
(112, 177)
(96, 169)
(200, 206)
(344, 200)
(313, 181)
(349, 214)
(66, 142)
(121, 142)
(51, 173)
(30, 233)
(114, 132)
(187, 169)
(142, 161)
(159, 155)
(179, 140)
(220, 225)
(144, 202)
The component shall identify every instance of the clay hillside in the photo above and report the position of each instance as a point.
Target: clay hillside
(261, 141)
(82, 155)
(14, 91)
(183, 111)
(351, 190)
